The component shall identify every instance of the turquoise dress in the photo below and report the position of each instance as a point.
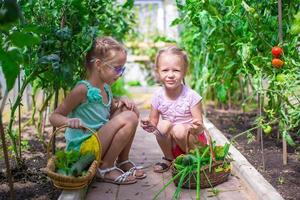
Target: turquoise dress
(93, 114)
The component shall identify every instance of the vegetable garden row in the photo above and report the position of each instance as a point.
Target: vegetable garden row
(237, 61)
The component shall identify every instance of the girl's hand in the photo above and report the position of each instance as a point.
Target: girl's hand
(124, 101)
(196, 126)
(74, 123)
(136, 111)
(147, 125)
(150, 128)
(129, 104)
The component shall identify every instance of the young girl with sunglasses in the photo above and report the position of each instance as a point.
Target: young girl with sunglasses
(175, 109)
(91, 104)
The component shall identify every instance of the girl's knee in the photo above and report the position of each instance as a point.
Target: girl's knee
(130, 117)
(165, 123)
(164, 126)
(179, 136)
(179, 132)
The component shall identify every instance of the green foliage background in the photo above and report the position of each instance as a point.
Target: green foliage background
(230, 42)
(48, 39)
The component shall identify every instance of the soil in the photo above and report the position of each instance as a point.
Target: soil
(285, 179)
(31, 183)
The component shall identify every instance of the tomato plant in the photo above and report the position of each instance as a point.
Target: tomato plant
(229, 45)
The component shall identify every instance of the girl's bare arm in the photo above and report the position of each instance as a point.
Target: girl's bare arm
(150, 124)
(154, 116)
(76, 97)
(196, 111)
(114, 106)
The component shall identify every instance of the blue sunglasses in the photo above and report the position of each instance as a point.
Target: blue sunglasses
(119, 70)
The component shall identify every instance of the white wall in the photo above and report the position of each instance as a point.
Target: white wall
(161, 13)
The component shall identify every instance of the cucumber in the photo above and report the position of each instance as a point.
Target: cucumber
(83, 162)
(187, 160)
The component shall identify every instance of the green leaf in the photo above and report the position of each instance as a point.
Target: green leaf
(64, 33)
(226, 149)
(288, 138)
(59, 154)
(31, 28)
(9, 12)
(295, 29)
(49, 59)
(65, 159)
(219, 169)
(72, 156)
(10, 69)
(21, 39)
(221, 93)
(229, 66)
(16, 55)
(219, 152)
(180, 183)
(176, 21)
(179, 174)
(128, 4)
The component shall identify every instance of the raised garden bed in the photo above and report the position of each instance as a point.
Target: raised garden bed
(285, 179)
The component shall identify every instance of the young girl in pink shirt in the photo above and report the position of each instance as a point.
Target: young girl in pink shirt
(175, 110)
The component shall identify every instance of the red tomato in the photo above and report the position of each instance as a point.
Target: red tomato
(276, 51)
(277, 63)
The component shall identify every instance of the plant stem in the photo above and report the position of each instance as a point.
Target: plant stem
(251, 129)
(40, 119)
(198, 175)
(19, 115)
(3, 102)
(14, 108)
(9, 176)
(167, 184)
(55, 106)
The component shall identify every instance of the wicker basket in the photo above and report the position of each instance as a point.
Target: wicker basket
(70, 182)
(207, 178)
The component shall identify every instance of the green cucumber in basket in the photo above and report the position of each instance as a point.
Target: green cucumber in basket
(84, 162)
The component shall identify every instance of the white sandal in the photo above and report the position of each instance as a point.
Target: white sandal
(120, 180)
(132, 170)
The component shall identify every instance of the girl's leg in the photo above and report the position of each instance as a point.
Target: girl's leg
(115, 136)
(124, 155)
(165, 143)
(179, 133)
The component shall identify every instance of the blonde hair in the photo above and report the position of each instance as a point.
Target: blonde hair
(102, 48)
(175, 51)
